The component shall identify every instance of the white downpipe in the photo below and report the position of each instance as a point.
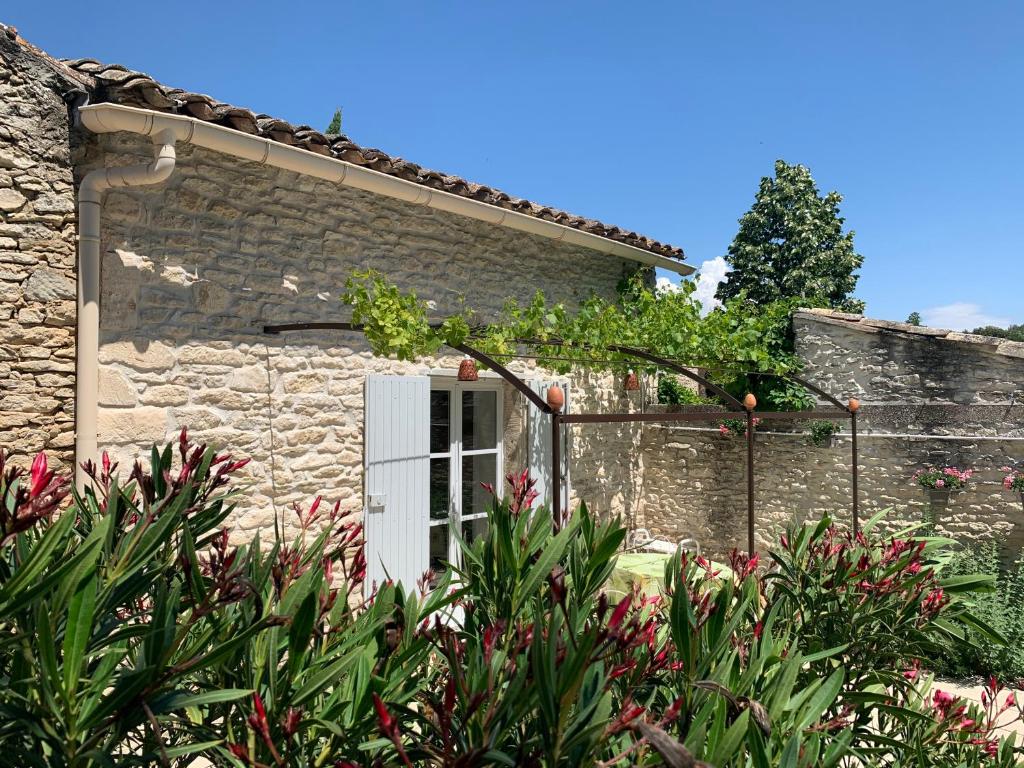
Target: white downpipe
(90, 195)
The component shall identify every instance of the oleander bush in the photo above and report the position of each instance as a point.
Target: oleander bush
(136, 633)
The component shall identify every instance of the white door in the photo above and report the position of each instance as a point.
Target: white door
(539, 444)
(465, 452)
(397, 457)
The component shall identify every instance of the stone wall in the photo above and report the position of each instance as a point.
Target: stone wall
(37, 257)
(929, 397)
(192, 270)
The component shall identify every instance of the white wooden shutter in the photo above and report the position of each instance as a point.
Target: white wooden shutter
(397, 457)
(539, 443)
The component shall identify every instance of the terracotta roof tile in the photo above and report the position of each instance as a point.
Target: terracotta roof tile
(120, 85)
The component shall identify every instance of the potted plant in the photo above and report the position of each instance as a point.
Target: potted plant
(940, 485)
(1014, 481)
(735, 427)
(823, 432)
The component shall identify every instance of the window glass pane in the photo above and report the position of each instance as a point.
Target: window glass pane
(440, 490)
(438, 548)
(440, 418)
(479, 420)
(475, 471)
(473, 528)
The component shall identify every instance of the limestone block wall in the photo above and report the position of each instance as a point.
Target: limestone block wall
(194, 268)
(37, 258)
(694, 485)
(889, 362)
(929, 398)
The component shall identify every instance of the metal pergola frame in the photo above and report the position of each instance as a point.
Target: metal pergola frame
(738, 409)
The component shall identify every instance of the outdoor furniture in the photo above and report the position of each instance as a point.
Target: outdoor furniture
(641, 539)
(645, 570)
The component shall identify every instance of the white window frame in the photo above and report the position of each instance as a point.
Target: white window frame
(456, 453)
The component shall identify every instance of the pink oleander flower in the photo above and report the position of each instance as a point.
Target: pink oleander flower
(1014, 479)
(940, 483)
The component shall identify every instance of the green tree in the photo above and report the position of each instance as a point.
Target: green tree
(914, 318)
(335, 126)
(791, 244)
(1013, 332)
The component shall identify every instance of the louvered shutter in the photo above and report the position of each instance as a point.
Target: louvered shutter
(397, 460)
(539, 444)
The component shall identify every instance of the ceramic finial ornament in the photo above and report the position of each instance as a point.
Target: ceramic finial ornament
(556, 398)
(467, 370)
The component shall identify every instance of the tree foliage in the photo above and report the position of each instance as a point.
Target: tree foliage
(914, 318)
(1012, 333)
(791, 244)
(335, 125)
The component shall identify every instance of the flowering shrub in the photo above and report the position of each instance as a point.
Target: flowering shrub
(137, 634)
(735, 427)
(952, 731)
(948, 478)
(1013, 479)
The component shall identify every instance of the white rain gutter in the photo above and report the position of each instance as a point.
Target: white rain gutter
(166, 130)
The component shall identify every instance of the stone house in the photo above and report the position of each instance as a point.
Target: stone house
(197, 223)
(226, 220)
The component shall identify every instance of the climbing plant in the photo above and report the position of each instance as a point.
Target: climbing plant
(729, 341)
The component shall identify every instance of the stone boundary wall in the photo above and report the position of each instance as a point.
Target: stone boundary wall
(37, 257)
(694, 484)
(929, 397)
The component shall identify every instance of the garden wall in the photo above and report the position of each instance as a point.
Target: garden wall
(37, 256)
(928, 397)
(194, 268)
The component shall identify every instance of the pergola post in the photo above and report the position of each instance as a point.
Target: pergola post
(556, 466)
(750, 402)
(853, 407)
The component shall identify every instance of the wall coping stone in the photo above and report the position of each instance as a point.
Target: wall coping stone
(992, 344)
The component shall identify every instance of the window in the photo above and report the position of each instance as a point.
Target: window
(465, 452)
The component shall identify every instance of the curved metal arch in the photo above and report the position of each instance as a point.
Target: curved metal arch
(641, 354)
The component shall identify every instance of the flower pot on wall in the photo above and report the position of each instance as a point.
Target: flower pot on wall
(938, 502)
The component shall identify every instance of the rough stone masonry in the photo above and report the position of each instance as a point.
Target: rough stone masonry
(37, 256)
(195, 267)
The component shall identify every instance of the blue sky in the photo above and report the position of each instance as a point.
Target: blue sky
(659, 117)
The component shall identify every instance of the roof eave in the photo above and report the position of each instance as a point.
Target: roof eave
(109, 118)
